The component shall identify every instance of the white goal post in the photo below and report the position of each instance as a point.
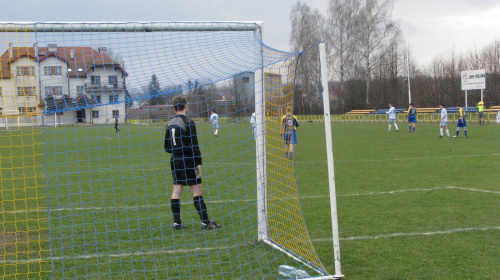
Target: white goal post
(11, 120)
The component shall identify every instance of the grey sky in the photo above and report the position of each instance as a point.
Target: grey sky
(431, 27)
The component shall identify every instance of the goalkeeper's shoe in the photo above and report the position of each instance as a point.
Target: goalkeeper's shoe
(210, 225)
(178, 226)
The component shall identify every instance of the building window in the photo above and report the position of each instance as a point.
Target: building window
(52, 70)
(116, 113)
(55, 90)
(95, 114)
(25, 90)
(1, 113)
(95, 80)
(79, 89)
(0, 91)
(113, 80)
(113, 98)
(25, 70)
(25, 110)
(98, 99)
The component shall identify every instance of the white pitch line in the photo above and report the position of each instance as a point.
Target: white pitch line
(194, 250)
(405, 234)
(147, 206)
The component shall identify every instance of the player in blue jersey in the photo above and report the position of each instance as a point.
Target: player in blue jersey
(412, 118)
(289, 125)
(461, 122)
(392, 118)
(443, 122)
(214, 119)
(181, 141)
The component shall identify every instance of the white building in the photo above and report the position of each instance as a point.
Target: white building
(67, 84)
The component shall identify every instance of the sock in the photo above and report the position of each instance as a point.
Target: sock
(413, 129)
(465, 131)
(448, 132)
(389, 128)
(409, 127)
(200, 206)
(441, 131)
(395, 125)
(457, 133)
(175, 204)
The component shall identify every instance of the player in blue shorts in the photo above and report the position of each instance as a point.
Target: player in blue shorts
(289, 124)
(461, 122)
(412, 118)
(214, 119)
(443, 122)
(392, 118)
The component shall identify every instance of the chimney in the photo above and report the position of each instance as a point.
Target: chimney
(103, 50)
(52, 48)
(11, 51)
(72, 53)
(35, 46)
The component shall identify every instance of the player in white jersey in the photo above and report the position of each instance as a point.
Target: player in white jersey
(214, 119)
(253, 122)
(443, 122)
(392, 118)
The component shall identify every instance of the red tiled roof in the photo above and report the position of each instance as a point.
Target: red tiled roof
(85, 58)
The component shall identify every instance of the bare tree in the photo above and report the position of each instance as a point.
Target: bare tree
(341, 29)
(307, 30)
(375, 29)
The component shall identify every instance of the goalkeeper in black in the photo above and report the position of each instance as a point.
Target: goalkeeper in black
(182, 142)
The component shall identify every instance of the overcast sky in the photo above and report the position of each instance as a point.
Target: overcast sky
(432, 27)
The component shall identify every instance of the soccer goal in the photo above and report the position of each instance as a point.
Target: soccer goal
(109, 87)
(10, 120)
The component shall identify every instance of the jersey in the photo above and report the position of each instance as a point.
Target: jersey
(253, 120)
(412, 111)
(392, 113)
(289, 123)
(181, 139)
(214, 118)
(461, 113)
(444, 115)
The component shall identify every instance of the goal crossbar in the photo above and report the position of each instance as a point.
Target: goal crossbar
(130, 26)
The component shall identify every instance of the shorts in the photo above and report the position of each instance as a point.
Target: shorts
(184, 171)
(290, 138)
(215, 125)
(481, 114)
(461, 123)
(412, 119)
(392, 120)
(443, 124)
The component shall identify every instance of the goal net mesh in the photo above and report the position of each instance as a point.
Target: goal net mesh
(87, 194)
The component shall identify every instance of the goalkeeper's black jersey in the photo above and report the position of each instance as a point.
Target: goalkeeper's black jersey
(181, 139)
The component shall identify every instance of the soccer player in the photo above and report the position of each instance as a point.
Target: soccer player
(412, 117)
(214, 119)
(392, 118)
(443, 122)
(181, 141)
(289, 124)
(116, 125)
(253, 123)
(461, 122)
(480, 108)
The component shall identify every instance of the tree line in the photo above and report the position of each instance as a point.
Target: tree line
(369, 61)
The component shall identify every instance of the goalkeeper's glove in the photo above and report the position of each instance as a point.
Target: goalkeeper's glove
(198, 171)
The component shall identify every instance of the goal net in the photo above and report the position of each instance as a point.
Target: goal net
(106, 209)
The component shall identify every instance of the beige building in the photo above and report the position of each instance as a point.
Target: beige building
(61, 85)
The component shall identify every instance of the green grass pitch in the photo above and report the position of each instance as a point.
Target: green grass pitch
(410, 205)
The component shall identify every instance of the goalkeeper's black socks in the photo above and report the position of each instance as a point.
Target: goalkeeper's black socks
(200, 206)
(175, 204)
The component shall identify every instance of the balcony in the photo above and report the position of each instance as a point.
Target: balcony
(90, 87)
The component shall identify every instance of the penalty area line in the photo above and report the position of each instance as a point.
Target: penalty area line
(407, 234)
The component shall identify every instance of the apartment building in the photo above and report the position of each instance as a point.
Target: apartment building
(60, 85)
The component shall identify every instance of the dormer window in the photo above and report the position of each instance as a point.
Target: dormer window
(80, 69)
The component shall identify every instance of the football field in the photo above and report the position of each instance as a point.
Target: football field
(410, 205)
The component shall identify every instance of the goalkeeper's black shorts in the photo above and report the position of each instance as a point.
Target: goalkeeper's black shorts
(184, 171)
